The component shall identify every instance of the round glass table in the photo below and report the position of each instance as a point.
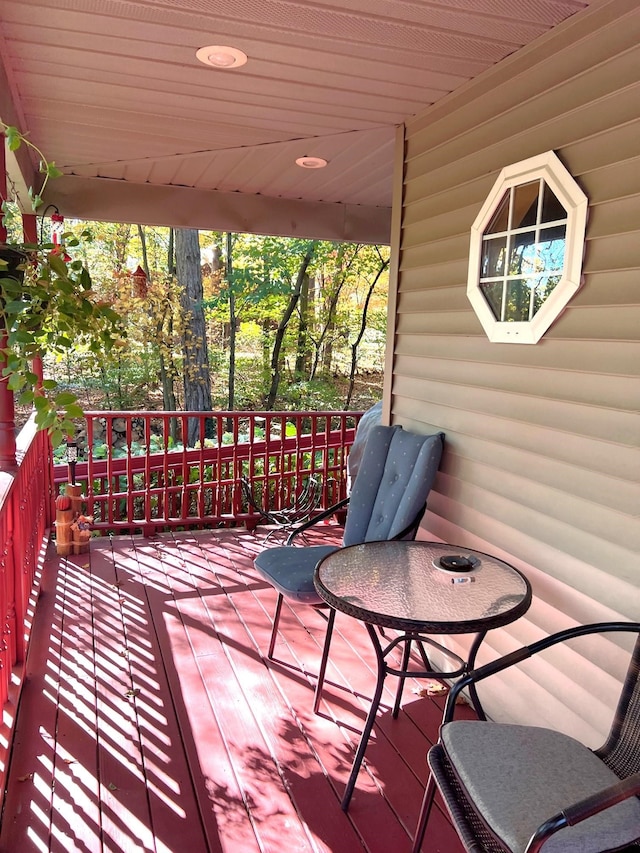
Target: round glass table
(419, 589)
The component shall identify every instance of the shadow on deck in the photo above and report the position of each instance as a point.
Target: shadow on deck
(150, 719)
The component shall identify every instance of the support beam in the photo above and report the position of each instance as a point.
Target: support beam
(104, 199)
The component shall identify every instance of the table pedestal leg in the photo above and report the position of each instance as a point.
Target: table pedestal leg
(473, 693)
(364, 738)
(402, 674)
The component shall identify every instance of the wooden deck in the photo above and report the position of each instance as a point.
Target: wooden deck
(150, 719)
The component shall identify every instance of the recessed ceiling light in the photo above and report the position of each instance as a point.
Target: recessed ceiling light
(221, 56)
(311, 162)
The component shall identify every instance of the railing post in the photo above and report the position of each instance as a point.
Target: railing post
(7, 410)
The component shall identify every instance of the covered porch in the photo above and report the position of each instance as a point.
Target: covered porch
(541, 464)
(151, 719)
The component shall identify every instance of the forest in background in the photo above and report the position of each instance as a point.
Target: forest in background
(230, 321)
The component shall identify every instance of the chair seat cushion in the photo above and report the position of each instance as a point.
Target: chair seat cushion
(290, 570)
(519, 776)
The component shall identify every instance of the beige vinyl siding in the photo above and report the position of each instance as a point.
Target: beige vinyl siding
(542, 461)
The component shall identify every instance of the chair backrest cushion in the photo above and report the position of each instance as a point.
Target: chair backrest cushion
(370, 419)
(393, 482)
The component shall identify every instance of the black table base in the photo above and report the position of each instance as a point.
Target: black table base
(408, 639)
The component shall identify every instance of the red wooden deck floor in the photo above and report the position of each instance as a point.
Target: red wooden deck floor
(151, 720)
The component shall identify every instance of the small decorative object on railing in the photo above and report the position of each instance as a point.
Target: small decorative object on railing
(72, 458)
(81, 529)
(73, 529)
(64, 520)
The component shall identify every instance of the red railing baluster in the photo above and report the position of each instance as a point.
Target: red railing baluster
(152, 490)
(161, 486)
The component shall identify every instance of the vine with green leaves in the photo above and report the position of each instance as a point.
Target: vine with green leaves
(48, 306)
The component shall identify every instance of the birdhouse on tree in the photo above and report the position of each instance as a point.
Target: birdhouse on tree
(140, 283)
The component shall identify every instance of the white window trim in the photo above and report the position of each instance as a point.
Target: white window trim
(575, 202)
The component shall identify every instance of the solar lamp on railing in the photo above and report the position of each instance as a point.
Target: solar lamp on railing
(72, 458)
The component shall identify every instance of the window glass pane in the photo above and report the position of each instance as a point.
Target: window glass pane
(494, 253)
(525, 205)
(551, 249)
(518, 301)
(551, 207)
(523, 253)
(492, 292)
(543, 288)
(500, 219)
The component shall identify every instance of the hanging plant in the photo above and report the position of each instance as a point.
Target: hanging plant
(48, 306)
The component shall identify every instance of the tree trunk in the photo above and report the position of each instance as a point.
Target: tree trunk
(232, 329)
(282, 326)
(302, 355)
(145, 258)
(325, 350)
(197, 387)
(363, 326)
(171, 254)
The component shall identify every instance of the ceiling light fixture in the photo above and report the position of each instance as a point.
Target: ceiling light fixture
(221, 56)
(311, 162)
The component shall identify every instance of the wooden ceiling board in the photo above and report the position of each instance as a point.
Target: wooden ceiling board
(112, 88)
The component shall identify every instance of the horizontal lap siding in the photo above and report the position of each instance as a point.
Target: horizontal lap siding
(542, 461)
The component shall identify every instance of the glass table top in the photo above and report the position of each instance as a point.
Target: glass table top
(404, 585)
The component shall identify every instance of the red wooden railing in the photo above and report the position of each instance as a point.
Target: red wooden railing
(140, 474)
(24, 521)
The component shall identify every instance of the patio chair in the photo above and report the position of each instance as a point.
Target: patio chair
(387, 501)
(519, 789)
(287, 517)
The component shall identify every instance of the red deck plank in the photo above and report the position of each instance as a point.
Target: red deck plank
(281, 728)
(75, 813)
(174, 815)
(217, 750)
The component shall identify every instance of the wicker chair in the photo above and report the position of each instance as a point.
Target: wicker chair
(517, 789)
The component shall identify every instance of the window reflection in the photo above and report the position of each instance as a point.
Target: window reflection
(493, 257)
(529, 228)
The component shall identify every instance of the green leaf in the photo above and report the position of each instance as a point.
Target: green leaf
(57, 264)
(65, 398)
(15, 382)
(53, 171)
(22, 337)
(11, 285)
(26, 398)
(74, 411)
(14, 137)
(41, 404)
(56, 437)
(16, 306)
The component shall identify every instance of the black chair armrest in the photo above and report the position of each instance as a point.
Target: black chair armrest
(584, 809)
(321, 516)
(525, 652)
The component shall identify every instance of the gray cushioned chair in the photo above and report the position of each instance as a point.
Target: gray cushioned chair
(519, 789)
(387, 501)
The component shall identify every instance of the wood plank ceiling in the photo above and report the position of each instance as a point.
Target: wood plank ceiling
(112, 89)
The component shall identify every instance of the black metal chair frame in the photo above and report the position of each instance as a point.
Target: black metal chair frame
(476, 836)
(341, 505)
(288, 517)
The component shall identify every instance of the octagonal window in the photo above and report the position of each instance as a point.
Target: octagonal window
(525, 258)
